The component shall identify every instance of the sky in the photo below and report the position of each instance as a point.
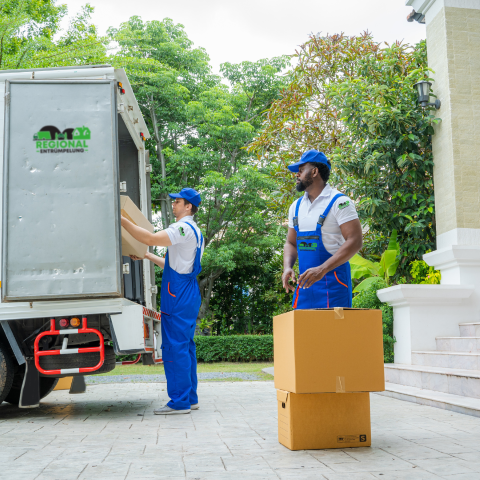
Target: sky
(254, 29)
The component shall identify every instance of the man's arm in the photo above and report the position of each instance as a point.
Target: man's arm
(159, 239)
(289, 259)
(352, 233)
(160, 261)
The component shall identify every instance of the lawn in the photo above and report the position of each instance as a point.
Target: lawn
(223, 367)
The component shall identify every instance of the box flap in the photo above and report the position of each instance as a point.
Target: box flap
(282, 396)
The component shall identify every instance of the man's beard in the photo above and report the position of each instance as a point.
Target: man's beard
(302, 186)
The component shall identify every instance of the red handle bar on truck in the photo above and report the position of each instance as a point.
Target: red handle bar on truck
(53, 331)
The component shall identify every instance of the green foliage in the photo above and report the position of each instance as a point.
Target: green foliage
(386, 267)
(30, 36)
(234, 348)
(248, 297)
(422, 273)
(368, 299)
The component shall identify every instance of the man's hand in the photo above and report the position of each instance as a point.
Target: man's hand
(310, 276)
(134, 257)
(288, 274)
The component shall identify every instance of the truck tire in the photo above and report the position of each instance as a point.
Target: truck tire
(79, 360)
(7, 371)
(47, 384)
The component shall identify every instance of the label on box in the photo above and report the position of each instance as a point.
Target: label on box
(351, 438)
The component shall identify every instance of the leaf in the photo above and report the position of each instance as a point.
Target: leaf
(361, 267)
(365, 284)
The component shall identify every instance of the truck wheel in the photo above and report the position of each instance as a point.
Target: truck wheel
(47, 384)
(79, 360)
(7, 371)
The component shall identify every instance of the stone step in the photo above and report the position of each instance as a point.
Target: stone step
(456, 381)
(458, 344)
(462, 360)
(447, 401)
(470, 329)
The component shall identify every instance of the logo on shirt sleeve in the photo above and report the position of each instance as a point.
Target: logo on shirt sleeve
(182, 232)
(343, 205)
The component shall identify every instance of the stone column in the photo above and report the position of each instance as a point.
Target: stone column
(422, 312)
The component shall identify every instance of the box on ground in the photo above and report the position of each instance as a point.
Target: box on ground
(311, 421)
(129, 210)
(329, 350)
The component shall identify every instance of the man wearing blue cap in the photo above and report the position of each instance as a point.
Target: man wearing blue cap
(179, 298)
(324, 233)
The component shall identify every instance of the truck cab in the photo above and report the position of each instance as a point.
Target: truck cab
(73, 142)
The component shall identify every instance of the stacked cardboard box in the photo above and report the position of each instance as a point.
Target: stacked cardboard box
(326, 363)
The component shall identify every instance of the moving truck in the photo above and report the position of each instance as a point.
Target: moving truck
(73, 141)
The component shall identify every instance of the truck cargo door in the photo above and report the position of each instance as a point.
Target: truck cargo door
(61, 237)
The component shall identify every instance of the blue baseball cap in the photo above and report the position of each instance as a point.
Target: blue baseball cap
(310, 156)
(188, 194)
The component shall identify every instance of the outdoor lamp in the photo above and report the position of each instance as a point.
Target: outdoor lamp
(423, 91)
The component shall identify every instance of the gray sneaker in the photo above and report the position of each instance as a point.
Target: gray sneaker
(166, 410)
(195, 406)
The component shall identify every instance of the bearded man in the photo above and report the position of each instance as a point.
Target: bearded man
(324, 232)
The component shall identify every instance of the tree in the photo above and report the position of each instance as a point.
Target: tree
(27, 36)
(235, 214)
(166, 72)
(354, 100)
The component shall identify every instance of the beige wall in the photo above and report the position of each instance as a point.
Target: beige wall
(453, 43)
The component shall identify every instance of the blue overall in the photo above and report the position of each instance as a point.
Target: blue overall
(180, 303)
(335, 288)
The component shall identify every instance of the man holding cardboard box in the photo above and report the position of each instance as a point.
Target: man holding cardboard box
(180, 298)
(324, 232)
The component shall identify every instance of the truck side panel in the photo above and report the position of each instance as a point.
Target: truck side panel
(60, 205)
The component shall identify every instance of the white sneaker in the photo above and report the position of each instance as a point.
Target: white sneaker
(166, 410)
(195, 406)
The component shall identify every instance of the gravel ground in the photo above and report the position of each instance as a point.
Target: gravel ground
(90, 379)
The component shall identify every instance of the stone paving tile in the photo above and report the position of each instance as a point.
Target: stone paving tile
(110, 432)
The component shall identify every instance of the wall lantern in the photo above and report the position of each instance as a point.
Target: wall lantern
(423, 91)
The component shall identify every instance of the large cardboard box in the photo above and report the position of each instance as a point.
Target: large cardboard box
(129, 210)
(310, 421)
(329, 350)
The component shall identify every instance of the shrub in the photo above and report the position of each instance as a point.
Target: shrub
(234, 348)
(368, 299)
(422, 273)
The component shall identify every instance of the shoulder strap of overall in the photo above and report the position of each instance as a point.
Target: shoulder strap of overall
(297, 208)
(323, 216)
(199, 244)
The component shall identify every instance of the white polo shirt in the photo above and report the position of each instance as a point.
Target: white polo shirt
(181, 254)
(342, 211)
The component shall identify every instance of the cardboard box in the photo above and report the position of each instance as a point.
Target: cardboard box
(130, 246)
(310, 421)
(329, 351)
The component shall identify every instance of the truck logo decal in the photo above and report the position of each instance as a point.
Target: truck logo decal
(50, 139)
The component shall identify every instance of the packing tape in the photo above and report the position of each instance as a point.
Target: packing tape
(339, 315)
(340, 385)
(127, 216)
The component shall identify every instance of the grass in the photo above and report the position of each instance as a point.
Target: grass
(223, 367)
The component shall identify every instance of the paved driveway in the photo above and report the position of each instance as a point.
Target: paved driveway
(111, 433)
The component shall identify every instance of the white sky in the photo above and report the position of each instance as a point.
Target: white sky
(253, 29)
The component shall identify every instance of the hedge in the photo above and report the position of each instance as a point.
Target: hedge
(234, 348)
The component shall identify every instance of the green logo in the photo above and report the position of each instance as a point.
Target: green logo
(50, 139)
(344, 205)
(182, 233)
(307, 246)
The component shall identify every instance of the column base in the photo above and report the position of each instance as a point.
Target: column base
(423, 312)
